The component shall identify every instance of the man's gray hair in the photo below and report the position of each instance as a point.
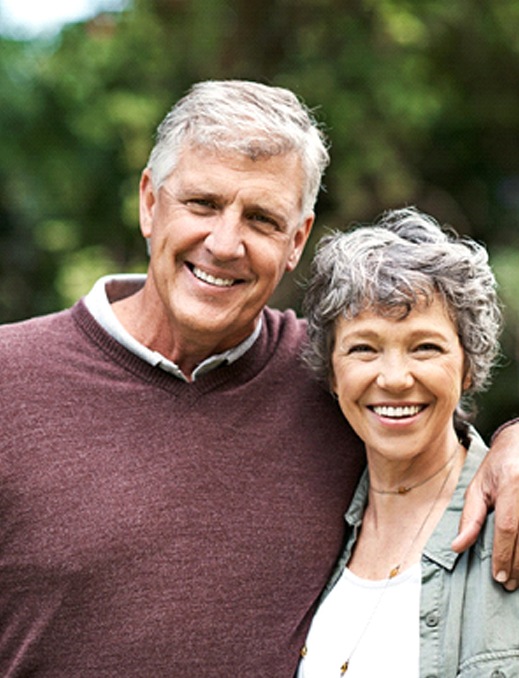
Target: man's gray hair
(244, 117)
(405, 258)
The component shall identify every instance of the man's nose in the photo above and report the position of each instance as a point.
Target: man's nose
(225, 240)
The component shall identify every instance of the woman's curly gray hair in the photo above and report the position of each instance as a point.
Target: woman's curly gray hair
(403, 259)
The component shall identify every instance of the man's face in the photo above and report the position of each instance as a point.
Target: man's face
(223, 230)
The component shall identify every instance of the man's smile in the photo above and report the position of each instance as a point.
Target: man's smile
(211, 279)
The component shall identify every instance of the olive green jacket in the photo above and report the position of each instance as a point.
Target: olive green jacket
(469, 625)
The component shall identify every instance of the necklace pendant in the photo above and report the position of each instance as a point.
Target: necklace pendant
(344, 668)
(394, 571)
(403, 489)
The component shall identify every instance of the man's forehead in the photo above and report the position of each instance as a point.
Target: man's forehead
(193, 154)
(273, 179)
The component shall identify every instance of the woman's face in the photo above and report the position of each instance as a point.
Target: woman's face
(398, 381)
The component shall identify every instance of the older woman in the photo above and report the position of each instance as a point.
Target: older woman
(403, 325)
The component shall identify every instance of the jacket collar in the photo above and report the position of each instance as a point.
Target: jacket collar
(438, 548)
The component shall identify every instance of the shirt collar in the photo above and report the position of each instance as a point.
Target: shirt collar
(438, 548)
(98, 303)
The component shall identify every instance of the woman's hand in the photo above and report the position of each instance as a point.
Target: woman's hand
(496, 485)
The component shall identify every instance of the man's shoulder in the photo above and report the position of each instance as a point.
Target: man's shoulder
(283, 341)
(35, 334)
(285, 325)
(34, 324)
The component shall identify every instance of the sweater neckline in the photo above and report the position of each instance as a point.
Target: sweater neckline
(237, 372)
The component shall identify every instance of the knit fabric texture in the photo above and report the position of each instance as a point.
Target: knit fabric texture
(151, 527)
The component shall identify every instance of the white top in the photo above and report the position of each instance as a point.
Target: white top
(99, 306)
(373, 623)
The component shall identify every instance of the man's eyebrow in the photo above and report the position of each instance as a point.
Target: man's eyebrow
(276, 214)
(189, 190)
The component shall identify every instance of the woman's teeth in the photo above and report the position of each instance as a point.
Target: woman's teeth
(397, 412)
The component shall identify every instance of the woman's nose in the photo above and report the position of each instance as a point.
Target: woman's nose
(395, 374)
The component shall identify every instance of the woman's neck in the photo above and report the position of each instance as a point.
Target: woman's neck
(396, 526)
(400, 470)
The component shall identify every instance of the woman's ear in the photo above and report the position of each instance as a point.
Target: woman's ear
(467, 375)
(333, 386)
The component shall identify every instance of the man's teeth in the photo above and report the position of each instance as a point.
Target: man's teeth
(211, 279)
(397, 412)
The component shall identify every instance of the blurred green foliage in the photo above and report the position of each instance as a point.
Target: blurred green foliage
(419, 98)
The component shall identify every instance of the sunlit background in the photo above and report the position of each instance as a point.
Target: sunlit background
(33, 18)
(420, 99)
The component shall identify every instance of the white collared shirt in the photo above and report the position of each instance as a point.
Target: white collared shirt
(98, 304)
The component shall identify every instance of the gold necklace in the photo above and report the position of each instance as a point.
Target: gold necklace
(397, 568)
(404, 489)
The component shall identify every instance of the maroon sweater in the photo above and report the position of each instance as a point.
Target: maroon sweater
(150, 527)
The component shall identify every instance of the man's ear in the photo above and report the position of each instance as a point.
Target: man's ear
(299, 241)
(147, 203)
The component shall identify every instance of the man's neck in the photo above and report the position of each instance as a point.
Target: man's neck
(110, 290)
(131, 312)
(186, 353)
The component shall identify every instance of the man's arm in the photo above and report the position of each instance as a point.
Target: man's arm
(496, 484)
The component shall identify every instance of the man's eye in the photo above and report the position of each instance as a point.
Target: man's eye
(202, 203)
(263, 222)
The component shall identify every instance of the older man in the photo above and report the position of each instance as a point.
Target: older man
(173, 482)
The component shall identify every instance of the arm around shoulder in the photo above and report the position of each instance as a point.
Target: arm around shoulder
(496, 485)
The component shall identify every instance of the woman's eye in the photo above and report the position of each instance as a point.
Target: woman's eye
(428, 347)
(361, 349)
